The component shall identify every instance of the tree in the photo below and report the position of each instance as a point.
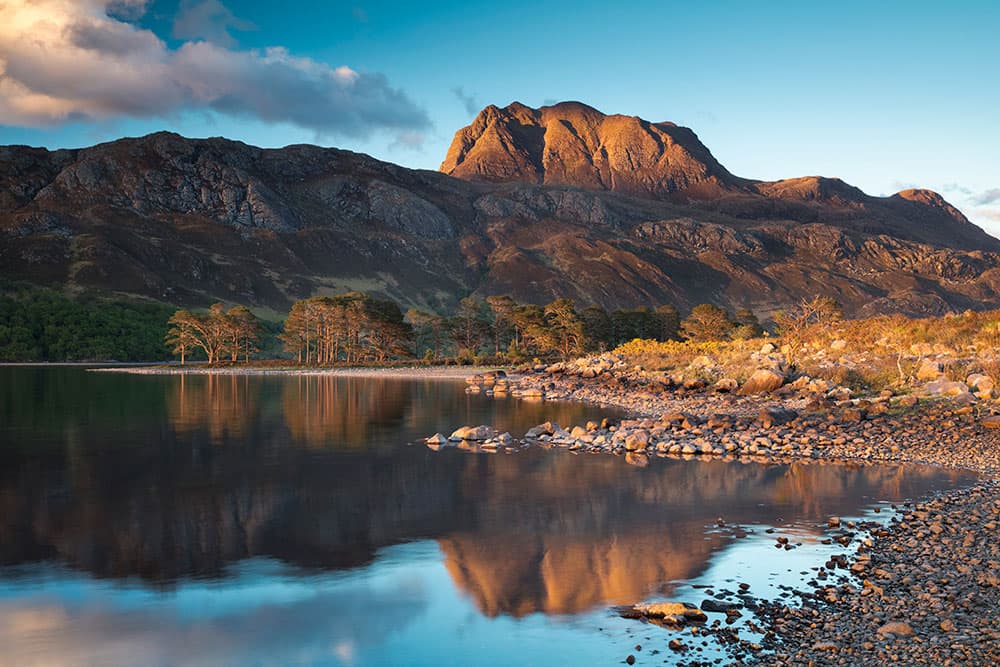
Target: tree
(180, 336)
(565, 326)
(706, 323)
(503, 308)
(805, 319)
(243, 332)
(388, 334)
(530, 328)
(668, 323)
(352, 327)
(597, 327)
(428, 332)
(747, 325)
(209, 332)
(469, 325)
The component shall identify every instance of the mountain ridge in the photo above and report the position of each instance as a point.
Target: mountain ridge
(191, 221)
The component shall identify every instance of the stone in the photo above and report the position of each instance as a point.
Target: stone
(637, 440)
(929, 370)
(982, 385)
(548, 428)
(992, 422)
(726, 386)
(676, 613)
(896, 629)
(947, 389)
(717, 606)
(762, 381)
(853, 415)
(472, 433)
(770, 416)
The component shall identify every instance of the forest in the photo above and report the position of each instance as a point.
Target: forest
(39, 324)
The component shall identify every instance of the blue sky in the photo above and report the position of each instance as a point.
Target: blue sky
(885, 95)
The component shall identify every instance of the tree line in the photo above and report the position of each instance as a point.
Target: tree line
(360, 328)
(41, 324)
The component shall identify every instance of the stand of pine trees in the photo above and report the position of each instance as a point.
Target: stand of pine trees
(358, 328)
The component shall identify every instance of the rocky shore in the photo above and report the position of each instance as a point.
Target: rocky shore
(920, 587)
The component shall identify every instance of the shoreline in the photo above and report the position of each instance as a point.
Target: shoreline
(452, 373)
(921, 587)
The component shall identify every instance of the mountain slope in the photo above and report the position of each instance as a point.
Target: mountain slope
(191, 221)
(573, 144)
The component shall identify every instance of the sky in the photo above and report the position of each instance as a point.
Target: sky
(885, 95)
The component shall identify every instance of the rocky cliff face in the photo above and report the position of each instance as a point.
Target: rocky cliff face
(558, 201)
(573, 144)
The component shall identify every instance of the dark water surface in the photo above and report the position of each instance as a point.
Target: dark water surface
(220, 520)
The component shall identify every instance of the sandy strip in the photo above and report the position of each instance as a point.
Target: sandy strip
(406, 373)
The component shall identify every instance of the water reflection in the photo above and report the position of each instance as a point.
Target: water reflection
(205, 474)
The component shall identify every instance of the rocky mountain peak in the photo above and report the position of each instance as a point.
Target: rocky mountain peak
(570, 143)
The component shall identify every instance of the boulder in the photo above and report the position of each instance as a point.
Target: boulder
(726, 385)
(929, 370)
(762, 381)
(673, 613)
(472, 433)
(981, 384)
(548, 428)
(637, 440)
(947, 388)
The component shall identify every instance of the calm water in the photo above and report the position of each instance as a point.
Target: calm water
(259, 521)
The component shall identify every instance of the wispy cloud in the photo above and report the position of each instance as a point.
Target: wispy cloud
(956, 187)
(991, 196)
(63, 61)
(468, 100)
(208, 20)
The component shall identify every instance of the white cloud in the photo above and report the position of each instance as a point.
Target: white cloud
(63, 60)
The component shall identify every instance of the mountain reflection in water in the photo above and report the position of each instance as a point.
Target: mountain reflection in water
(176, 479)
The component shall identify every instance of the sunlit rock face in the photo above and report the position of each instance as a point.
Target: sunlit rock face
(573, 144)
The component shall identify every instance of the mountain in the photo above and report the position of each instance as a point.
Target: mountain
(537, 203)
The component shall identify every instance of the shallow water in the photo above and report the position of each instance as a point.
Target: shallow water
(290, 520)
